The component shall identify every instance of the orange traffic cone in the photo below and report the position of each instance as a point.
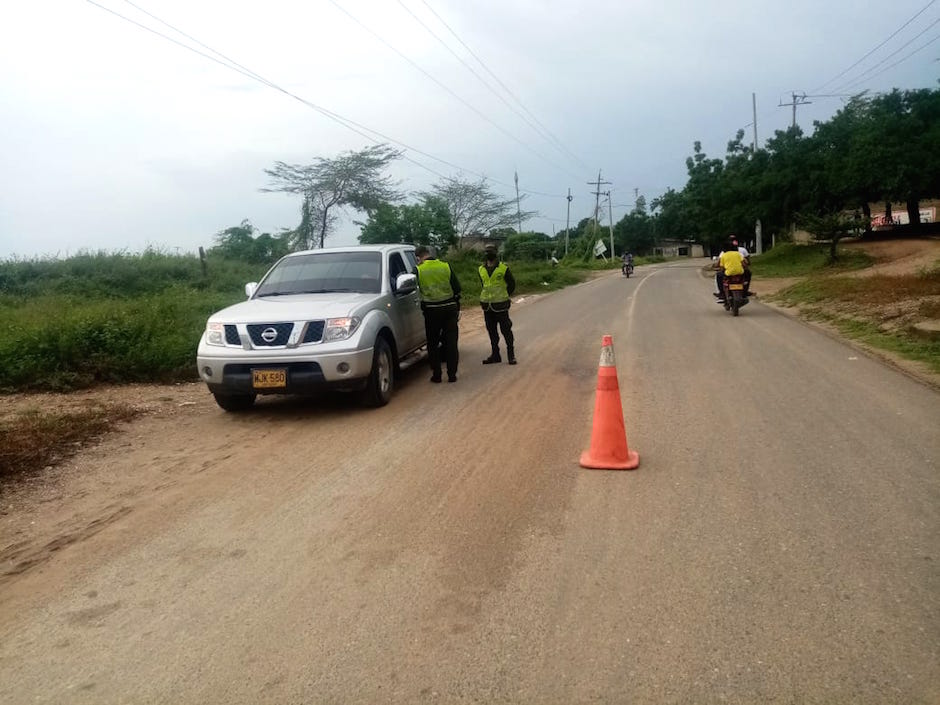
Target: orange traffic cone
(608, 449)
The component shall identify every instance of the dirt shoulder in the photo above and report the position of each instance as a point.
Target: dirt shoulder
(889, 315)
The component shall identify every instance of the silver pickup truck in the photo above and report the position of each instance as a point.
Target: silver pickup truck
(345, 318)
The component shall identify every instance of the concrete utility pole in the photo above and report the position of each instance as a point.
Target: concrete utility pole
(518, 210)
(754, 106)
(610, 215)
(597, 200)
(568, 222)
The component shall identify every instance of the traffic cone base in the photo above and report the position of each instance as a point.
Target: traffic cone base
(609, 450)
(631, 463)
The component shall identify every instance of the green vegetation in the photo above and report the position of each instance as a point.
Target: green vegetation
(31, 440)
(903, 343)
(114, 318)
(840, 168)
(789, 260)
(119, 318)
(878, 311)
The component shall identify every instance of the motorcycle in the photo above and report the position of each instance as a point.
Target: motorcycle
(734, 293)
(626, 269)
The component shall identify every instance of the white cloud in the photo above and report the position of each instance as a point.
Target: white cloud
(115, 138)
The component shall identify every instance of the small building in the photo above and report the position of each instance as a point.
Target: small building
(678, 248)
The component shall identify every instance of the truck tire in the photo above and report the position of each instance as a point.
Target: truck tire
(234, 402)
(381, 380)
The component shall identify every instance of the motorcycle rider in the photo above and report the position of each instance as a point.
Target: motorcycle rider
(730, 262)
(746, 261)
(627, 261)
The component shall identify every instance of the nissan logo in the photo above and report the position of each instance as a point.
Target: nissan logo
(269, 335)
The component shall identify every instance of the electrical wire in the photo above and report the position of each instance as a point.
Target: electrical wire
(351, 125)
(445, 87)
(893, 34)
(535, 128)
(899, 61)
(503, 85)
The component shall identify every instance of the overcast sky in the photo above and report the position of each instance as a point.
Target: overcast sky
(114, 138)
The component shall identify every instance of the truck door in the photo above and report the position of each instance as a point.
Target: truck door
(406, 308)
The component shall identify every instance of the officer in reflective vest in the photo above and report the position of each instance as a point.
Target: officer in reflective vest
(498, 286)
(440, 302)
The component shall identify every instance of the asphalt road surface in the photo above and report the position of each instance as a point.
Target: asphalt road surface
(779, 542)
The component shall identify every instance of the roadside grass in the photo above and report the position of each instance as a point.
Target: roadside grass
(789, 260)
(865, 291)
(902, 343)
(117, 318)
(62, 343)
(878, 311)
(34, 439)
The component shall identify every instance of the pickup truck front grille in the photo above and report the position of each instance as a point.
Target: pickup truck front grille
(281, 335)
(314, 332)
(231, 336)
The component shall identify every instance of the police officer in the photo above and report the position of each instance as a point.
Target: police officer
(498, 286)
(440, 302)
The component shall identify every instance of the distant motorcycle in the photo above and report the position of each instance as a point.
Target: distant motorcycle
(626, 269)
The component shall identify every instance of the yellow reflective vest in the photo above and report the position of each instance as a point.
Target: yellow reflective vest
(434, 281)
(494, 285)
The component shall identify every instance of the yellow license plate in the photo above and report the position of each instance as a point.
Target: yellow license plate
(268, 379)
(736, 287)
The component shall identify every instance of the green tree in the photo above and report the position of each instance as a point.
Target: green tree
(354, 180)
(529, 246)
(831, 227)
(474, 207)
(425, 223)
(239, 242)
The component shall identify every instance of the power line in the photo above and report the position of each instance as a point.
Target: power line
(447, 88)
(899, 61)
(348, 123)
(893, 34)
(482, 80)
(503, 85)
(865, 75)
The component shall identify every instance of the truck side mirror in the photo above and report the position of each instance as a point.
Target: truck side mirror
(406, 283)
(250, 289)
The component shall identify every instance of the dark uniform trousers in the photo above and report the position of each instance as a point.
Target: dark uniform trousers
(440, 326)
(494, 315)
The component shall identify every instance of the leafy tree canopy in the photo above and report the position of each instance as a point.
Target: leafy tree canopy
(354, 180)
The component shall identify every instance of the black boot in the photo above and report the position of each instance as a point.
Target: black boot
(494, 357)
(511, 354)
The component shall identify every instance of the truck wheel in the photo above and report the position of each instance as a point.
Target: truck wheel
(234, 402)
(381, 380)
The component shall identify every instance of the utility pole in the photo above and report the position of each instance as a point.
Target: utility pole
(568, 222)
(754, 106)
(518, 211)
(610, 211)
(798, 99)
(597, 200)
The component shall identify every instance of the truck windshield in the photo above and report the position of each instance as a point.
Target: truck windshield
(320, 273)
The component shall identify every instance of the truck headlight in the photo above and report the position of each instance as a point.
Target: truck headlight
(340, 328)
(215, 334)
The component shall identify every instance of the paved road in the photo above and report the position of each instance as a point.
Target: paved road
(779, 542)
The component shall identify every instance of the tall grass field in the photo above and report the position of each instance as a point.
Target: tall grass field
(96, 318)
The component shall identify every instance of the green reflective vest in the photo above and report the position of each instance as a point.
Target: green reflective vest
(494, 285)
(434, 281)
